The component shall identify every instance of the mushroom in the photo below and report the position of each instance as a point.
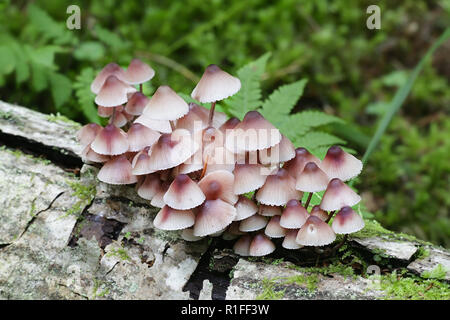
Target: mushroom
(282, 152)
(340, 164)
(183, 193)
(296, 165)
(278, 189)
(219, 185)
(162, 126)
(347, 221)
(290, 240)
(338, 195)
(244, 208)
(149, 187)
(188, 235)
(316, 211)
(139, 137)
(138, 72)
(269, 211)
(113, 92)
(315, 232)
(136, 104)
(254, 223)
(248, 178)
(110, 140)
(108, 70)
(158, 198)
(311, 180)
(294, 215)
(165, 104)
(88, 133)
(197, 119)
(117, 171)
(89, 155)
(274, 229)
(261, 246)
(213, 216)
(215, 85)
(173, 219)
(242, 246)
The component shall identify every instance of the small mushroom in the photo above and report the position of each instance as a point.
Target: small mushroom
(294, 215)
(149, 187)
(290, 240)
(138, 72)
(248, 178)
(315, 232)
(340, 164)
(347, 221)
(254, 223)
(117, 171)
(296, 165)
(165, 104)
(274, 229)
(278, 189)
(213, 216)
(338, 195)
(113, 92)
(183, 193)
(173, 219)
(136, 104)
(219, 185)
(245, 208)
(242, 246)
(261, 246)
(139, 137)
(110, 140)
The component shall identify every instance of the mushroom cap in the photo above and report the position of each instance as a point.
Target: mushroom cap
(253, 223)
(110, 140)
(347, 221)
(173, 219)
(158, 198)
(165, 104)
(312, 179)
(315, 232)
(340, 164)
(120, 119)
(193, 164)
(138, 72)
(278, 189)
(261, 246)
(230, 124)
(183, 193)
(171, 150)
(106, 112)
(162, 126)
(269, 211)
(215, 85)
(219, 185)
(338, 195)
(89, 155)
(294, 215)
(245, 208)
(197, 118)
(218, 158)
(296, 165)
(188, 235)
(108, 70)
(87, 133)
(282, 152)
(149, 187)
(117, 171)
(139, 137)
(141, 162)
(242, 246)
(253, 133)
(113, 92)
(233, 229)
(316, 211)
(248, 177)
(274, 229)
(136, 104)
(213, 216)
(290, 240)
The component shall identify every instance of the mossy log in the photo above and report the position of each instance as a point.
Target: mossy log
(65, 235)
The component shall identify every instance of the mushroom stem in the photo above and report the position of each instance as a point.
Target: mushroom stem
(308, 200)
(211, 113)
(140, 87)
(205, 166)
(172, 125)
(113, 116)
(330, 215)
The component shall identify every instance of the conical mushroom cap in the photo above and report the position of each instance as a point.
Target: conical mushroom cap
(171, 150)
(253, 223)
(253, 133)
(338, 195)
(188, 235)
(158, 198)
(294, 215)
(233, 229)
(215, 85)
(162, 126)
(219, 185)
(245, 208)
(89, 155)
(340, 164)
(110, 141)
(230, 124)
(213, 216)
(218, 158)
(269, 211)
(282, 152)
(117, 171)
(165, 104)
(136, 104)
(88, 133)
(316, 211)
(197, 119)
(106, 112)
(120, 119)
(138, 72)
(278, 189)
(242, 246)
(261, 246)
(149, 187)
(183, 194)
(296, 165)
(274, 229)
(347, 221)
(139, 137)
(248, 177)
(172, 219)
(113, 92)
(141, 162)
(290, 240)
(108, 70)
(315, 232)
(312, 179)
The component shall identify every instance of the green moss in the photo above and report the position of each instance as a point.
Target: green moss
(439, 272)
(269, 291)
(9, 116)
(60, 118)
(337, 267)
(167, 235)
(85, 195)
(19, 154)
(397, 287)
(120, 253)
(310, 281)
(422, 253)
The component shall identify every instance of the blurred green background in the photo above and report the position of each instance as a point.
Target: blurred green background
(353, 73)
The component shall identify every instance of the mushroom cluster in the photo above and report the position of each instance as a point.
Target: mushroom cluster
(214, 176)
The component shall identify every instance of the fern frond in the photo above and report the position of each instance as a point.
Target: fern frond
(84, 95)
(249, 97)
(315, 139)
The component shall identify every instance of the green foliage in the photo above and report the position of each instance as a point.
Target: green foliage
(439, 272)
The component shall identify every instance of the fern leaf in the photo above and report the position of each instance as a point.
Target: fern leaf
(84, 95)
(315, 139)
(61, 88)
(249, 97)
(280, 103)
